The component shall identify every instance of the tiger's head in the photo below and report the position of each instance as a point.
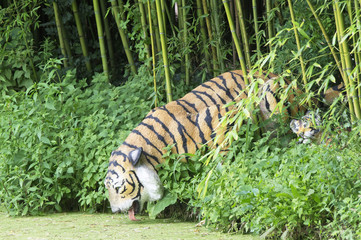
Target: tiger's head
(130, 182)
(308, 127)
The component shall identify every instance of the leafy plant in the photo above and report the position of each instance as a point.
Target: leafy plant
(272, 187)
(57, 139)
(178, 174)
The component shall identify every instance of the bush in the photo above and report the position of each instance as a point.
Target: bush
(56, 139)
(300, 191)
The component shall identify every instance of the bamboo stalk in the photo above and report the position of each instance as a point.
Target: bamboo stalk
(60, 26)
(203, 34)
(244, 34)
(64, 35)
(60, 33)
(299, 48)
(210, 37)
(107, 34)
(256, 28)
(153, 55)
(236, 25)
(103, 53)
(180, 15)
(347, 59)
(66, 41)
(269, 22)
(325, 35)
(121, 9)
(162, 3)
(169, 18)
(164, 51)
(156, 28)
(358, 50)
(343, 64)
(123, 36)
(355, 37)
(232, 6)
(217, 28)
(144, 26)
(236, 42)
(83, 44)
(185, 42)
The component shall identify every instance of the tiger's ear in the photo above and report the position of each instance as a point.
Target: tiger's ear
(135, 155)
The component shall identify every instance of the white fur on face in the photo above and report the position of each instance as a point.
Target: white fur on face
(307, 127)
(116, 203)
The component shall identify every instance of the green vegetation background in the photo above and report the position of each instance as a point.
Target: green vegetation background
(59, 124)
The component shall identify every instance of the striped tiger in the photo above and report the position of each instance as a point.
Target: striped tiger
(187, 123)
(308, 127)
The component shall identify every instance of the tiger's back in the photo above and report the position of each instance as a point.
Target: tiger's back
(186, 123)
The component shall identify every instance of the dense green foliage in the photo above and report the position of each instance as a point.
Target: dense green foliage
(300, 191)
(56, 142)
(57, 136)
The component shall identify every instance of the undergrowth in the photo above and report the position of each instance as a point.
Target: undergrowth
(56, 138)
(290, 190)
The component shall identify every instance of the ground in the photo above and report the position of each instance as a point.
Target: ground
(103, 226)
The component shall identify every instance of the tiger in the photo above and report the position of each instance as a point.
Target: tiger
(308, 127)
(186, 123)
(309, 130)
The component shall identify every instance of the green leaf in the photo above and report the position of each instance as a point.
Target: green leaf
(50, 105)
(32, 189)
(70, 170)
(49, 180)
(157, 208)
(18, 74)
(26, 83)
(45, 140)
(25, 211)
(303, 33)
(58, 208)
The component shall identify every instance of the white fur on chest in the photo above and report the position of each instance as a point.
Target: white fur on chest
(153, 188)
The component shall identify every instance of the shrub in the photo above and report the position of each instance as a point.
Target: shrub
(300, 191)
(56, 139)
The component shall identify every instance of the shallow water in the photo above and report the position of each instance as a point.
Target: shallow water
(103, 226)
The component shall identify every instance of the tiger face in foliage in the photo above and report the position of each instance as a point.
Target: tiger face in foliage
(308, 126)
(187, 123)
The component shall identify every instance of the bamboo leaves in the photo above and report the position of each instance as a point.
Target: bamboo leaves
(303, 69)
(350, 75)
(191, 39)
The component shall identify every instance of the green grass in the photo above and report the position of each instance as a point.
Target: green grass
(103, 226)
